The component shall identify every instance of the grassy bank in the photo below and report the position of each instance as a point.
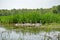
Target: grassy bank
(45, 27)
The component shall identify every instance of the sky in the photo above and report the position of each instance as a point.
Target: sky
(29, 4)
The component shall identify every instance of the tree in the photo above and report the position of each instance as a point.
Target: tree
(58, 8)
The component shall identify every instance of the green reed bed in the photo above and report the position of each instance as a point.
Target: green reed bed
(31, 18)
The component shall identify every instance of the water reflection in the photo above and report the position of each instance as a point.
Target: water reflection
(12, 35)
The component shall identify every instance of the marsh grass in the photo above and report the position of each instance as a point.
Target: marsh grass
(45, 27)
(31, 18)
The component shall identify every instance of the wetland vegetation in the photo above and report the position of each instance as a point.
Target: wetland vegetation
(51, 15)
(48, 18)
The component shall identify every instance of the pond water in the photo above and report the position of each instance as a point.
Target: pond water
(13, 35)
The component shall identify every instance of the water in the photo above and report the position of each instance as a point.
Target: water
(13, 35)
